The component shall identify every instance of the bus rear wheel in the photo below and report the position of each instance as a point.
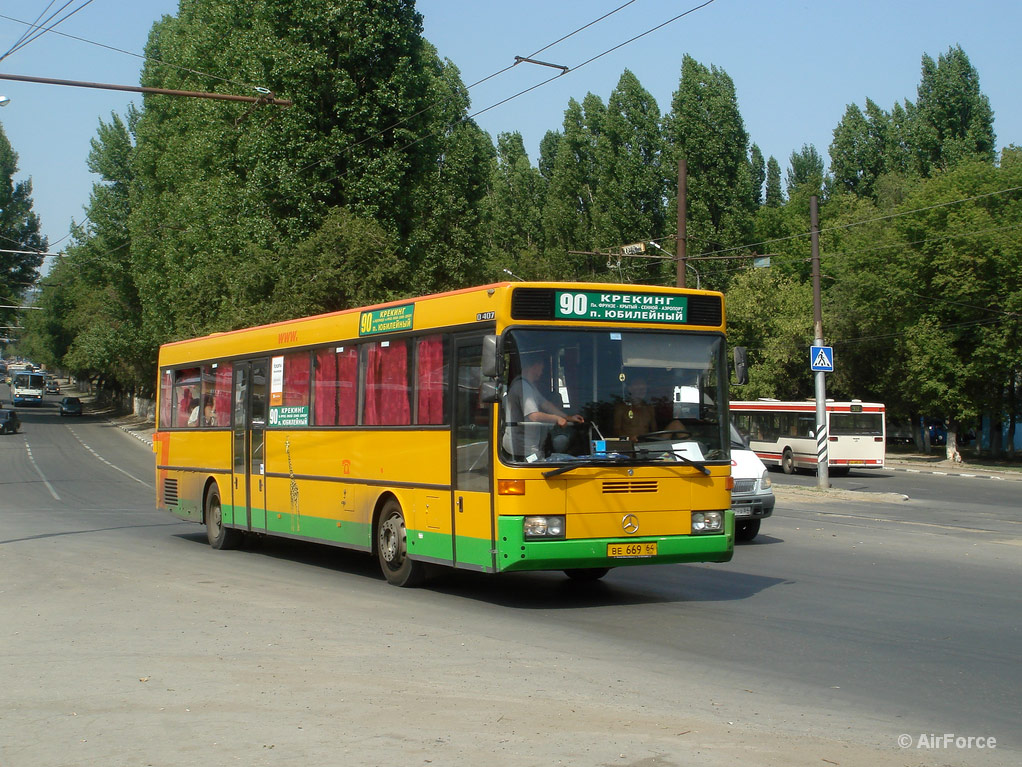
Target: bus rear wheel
(219, 537)
(392, 548)
(788, 462)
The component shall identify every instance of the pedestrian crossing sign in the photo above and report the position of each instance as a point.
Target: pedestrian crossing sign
(821, 358)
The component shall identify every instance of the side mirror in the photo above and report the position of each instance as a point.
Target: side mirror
(741, 366)
(489, 391)
(489, 361)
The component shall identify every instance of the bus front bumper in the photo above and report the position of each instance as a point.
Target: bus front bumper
(515, 554)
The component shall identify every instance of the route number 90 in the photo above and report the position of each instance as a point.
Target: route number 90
(576, 304)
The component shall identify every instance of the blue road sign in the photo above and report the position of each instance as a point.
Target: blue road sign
(821, 358)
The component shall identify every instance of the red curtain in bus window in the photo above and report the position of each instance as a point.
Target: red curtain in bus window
(325, 385)
(347, 386)
(222, 395)
(430, 370)
(166, 400)
(296, 380)
(387, 385)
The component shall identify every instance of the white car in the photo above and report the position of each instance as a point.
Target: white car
(752, 498)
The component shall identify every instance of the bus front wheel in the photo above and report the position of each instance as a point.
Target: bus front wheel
(788, 462)
(220, 537)
(392, 548)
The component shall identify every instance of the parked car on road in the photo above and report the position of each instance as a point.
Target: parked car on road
(752, 498)
(9, 421)
(70, 406)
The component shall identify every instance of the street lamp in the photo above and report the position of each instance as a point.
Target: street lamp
(687, 265)
(5, 100)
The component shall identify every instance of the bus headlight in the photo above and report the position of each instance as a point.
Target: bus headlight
(707, 522)
(543, 527)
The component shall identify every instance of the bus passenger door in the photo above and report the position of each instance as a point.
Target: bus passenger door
(249, 468)
(472, 523)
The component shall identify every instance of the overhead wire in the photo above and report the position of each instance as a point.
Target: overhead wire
(43, 30)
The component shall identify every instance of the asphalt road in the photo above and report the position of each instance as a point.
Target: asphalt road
(854, 618)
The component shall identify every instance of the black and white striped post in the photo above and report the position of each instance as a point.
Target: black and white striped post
(822, 466)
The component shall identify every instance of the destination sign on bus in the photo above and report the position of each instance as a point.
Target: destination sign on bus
(620, 307)
(386, 320)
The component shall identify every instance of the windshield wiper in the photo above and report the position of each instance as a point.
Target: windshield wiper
(680, 455)
(607, 461)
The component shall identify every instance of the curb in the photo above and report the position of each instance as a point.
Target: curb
(952, 473)
(144, 437)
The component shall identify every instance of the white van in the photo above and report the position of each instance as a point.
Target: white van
(752, 498)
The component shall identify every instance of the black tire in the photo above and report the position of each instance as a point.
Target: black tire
(587, 574)
(392, 548)
(219, 537)
(788, 462)
(838, 471)
(747, 529)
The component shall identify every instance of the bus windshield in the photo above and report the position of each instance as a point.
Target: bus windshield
(576, 395)
(850, 424)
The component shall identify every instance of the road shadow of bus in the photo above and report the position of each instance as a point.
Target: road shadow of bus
(634, 585)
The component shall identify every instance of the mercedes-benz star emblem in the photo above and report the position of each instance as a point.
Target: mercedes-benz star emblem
(630, 524)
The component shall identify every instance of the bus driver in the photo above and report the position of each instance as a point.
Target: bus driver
(527, 406)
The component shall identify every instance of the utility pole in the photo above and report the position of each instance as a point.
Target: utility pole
(822, 465)
(681, 248)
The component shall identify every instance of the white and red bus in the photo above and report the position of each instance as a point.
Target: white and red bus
(784, 433)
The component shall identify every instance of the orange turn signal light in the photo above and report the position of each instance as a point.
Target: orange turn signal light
(729, 483)
(510, 487)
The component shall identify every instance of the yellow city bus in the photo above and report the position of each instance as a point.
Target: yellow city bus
(484, 429)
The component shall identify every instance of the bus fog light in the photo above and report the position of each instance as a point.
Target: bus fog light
(707, 521)
(543, 527)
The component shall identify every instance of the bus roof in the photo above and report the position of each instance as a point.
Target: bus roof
(464, 307)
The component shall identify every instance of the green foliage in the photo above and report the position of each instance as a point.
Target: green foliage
(572, 213)
(772, 316)
(953, 121)
(774, 197)
(19, 230)
(757, 170)
(377, 128)
(514, 210)
(706, 127)
(805, 174)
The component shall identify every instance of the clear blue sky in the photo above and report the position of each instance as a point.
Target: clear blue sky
(796, 65)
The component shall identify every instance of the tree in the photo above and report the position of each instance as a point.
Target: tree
(224, 195)
(774, 197)
(952, 120)
(757, 171)
(858, 153)
(19, 231)
(631, 187)
(91, 322)
(706, 127)
(934, 297)
(805, 173)
(772, 316)
(572, 210)
(514, 210)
